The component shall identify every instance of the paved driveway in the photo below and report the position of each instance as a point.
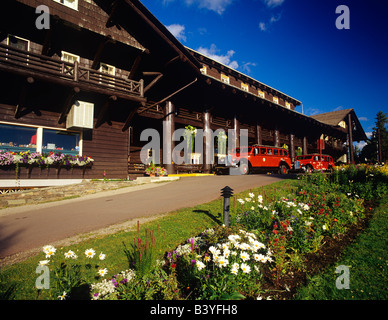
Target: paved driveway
(25, 228)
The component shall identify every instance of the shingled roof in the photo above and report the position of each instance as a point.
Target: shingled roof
(335, 117)
(332, 118)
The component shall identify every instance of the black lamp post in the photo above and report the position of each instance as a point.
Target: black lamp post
(226, 192)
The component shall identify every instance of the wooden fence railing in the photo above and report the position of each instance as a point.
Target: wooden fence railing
(21, 59)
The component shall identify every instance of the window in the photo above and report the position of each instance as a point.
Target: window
(69, 57)
(73, 4)
(17, 138)
(224, 78)
(63, 141)
(261, 94)
(18, 43)
(276, 152)
(244, 87)
(203, 70)
(269, 152)
(288, 105)
(280, 152)
(109, 70)
(263, 151)
(342, 124)
(275, 99)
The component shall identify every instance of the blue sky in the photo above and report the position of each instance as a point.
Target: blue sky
(293, 46)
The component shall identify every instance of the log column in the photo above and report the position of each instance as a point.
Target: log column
(276, 137)
(236, 129)
(292, 147)
(305, 151)
(259, 135)
(168, 131)
(207, 143)
(351, 149)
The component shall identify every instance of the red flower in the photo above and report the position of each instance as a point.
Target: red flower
(173, 265)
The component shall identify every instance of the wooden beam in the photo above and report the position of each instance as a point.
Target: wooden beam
(47, 49)
(153, 82)
(110, 22)
(97, 56)
(22, 98)
(68, 104)
(135, 66)
(102, 116)
(129, 119)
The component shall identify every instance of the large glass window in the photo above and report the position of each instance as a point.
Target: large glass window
(17, 138)
(61, 141)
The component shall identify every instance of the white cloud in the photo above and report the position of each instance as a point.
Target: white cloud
(363, 118)
(178, 31)
(275, 19)
(225, 59)
(246, 67)
(312, 111)
(218, 6)
(360, 144)
(264, 26)
(273, 3)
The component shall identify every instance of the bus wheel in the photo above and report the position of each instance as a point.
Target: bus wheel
(244, 168)
(309, 169)
(283, 169)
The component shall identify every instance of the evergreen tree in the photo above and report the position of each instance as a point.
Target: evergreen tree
(380, 133)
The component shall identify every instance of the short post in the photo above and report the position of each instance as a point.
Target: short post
(226, 192)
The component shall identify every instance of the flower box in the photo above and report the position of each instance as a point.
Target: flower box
(28, 165)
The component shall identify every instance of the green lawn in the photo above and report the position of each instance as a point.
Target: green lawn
(367, 260)
(18, 281)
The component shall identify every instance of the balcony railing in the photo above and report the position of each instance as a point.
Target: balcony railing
(19, 60)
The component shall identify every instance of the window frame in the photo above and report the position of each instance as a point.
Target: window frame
(68, 4)
(39, 134)
(225, 78)
(70, 54)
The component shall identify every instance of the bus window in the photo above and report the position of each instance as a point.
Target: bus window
(280, 152)
(269, 152)
(285, 153)
(256, 151)
(263, 151)
(275, 152)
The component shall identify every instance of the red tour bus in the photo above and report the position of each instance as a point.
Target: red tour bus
(312, 162)
(258, 158)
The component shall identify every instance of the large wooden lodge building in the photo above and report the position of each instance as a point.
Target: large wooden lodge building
(114, 61)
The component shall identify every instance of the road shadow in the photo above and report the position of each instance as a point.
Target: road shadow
(7, 241)
(211, 216)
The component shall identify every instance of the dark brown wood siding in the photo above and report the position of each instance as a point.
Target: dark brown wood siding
(88, 16)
